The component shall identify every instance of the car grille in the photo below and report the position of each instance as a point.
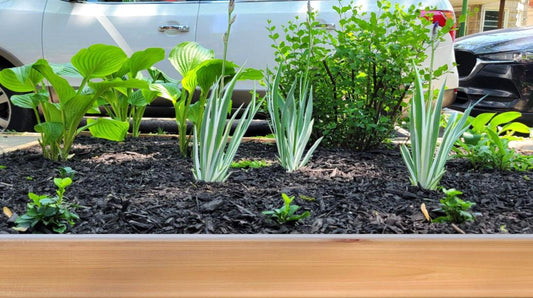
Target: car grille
(465, 62)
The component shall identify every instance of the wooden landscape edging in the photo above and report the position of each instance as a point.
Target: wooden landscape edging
(265, 266)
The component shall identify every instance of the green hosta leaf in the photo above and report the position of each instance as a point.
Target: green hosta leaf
(503, 118)
(195, 113)
(100, 87)
(63, 89)
(187, 55)
(29, 100)
(66, 70)
(168, 91)
(142, 60)
(52, 131)
(75, 109)
(52, 112)
(109, 129)
(138, 98)
(98, 61)
(251, 74)
(478, 123)
(515, 127)
(207, 74)
(20, 79)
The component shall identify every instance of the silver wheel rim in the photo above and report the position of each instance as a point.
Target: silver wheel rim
(5, 110)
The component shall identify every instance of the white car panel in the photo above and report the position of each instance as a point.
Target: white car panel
(70, 26)
(20, 37)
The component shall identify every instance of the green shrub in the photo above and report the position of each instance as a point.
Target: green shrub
(360, 86)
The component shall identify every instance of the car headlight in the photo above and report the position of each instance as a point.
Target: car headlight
(509, 57)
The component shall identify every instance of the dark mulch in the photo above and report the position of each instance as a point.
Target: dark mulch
(145, 186)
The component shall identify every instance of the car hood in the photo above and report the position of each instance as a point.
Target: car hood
(503, 40)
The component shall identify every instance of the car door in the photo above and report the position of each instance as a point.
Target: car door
(69, 26)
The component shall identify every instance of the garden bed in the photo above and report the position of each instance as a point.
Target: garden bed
(144, 186)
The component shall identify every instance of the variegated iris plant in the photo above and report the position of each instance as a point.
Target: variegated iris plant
(291, 122)
(427, 159)
(213, 147)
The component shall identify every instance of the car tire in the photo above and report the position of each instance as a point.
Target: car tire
(13, 117)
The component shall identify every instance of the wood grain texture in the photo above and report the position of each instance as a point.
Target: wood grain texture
(157, 266)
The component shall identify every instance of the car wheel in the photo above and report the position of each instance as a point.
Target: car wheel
(13, 117)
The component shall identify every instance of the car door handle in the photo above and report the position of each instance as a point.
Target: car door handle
(179, 28)
(325, 26)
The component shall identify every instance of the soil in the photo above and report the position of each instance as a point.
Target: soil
(145, 186)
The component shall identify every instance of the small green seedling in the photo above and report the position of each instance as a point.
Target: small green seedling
(286, 213)
(2, 167)
(65, 172)
(29, 178)
(456, 210)
(249, 164)
(48, 212)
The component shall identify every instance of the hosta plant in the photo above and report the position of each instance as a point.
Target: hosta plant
(125, 104)
(291, 121)
(426, 159)
(62, 117)
(486, 143)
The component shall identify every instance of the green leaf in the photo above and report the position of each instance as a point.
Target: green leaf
(504, 118)
(63, 89)
(187, 55)
(251, 74)
(63, 182)
(206, 74)
(109, 129)
(478, 123)
(514, 127)
(28, 101)
(52, 131)
(142, 60)
(100, 87)
(98, 61)
(20, 79)
(168, 91)
(65, 69)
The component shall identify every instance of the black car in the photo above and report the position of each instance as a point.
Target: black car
(499, 64)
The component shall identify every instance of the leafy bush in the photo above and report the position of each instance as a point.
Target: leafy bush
(291, 122)
(361, 73)
(486, 143)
